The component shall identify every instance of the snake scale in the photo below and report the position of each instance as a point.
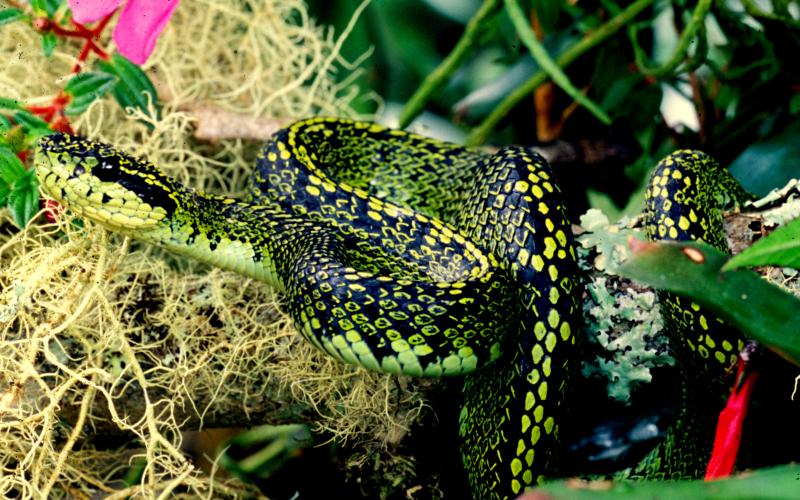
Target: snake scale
(412, 256)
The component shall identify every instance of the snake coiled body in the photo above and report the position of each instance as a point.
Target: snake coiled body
(400, 254)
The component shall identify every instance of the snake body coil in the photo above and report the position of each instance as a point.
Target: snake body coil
(400, 254)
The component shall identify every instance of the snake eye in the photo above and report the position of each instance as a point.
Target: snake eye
(106, 165)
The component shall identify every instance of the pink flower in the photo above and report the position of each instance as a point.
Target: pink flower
(138, 27)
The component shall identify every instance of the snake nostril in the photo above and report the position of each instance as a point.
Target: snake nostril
(79, 170)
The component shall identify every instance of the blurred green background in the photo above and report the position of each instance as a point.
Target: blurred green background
(735, 93)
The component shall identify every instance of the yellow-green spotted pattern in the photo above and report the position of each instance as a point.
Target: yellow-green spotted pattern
(512, 409)
(397, 253)
(405, 255)
(684, 199)
(401, 293)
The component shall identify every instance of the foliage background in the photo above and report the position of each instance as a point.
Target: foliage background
(741, 105)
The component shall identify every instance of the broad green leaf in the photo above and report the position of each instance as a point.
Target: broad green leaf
(10, 15)
(23, 201)
(776, 483)
(27, 134)
(540, 54)
(28, 140)
(133, 87)
(5, 124)
(781, 248)
(5, 191)
(10, 103)
(11, 167)
(48, 43)
(87, 88)
(620, 91)
(761, 310)
(29, 121)
(11, 171)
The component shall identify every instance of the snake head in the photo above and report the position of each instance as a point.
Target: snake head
(114, 189)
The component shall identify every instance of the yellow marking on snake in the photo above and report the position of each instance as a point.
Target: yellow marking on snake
(338, 240)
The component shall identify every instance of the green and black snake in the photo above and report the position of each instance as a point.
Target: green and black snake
(408, 255)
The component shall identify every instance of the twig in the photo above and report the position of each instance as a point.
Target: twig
(543, 59)
(480, 133)
(77, 430)
(694, 28)
(474, 31)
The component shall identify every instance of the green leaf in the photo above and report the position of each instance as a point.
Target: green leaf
(5, 124)
(781, 248)
(760, 309)
(35, 134)
(547, 12)
(46, 8)
(11, 171)
(23, 200)
(11, 167)
(18, 188)
(777, 483)
(5, 191)
(262, 450)
(10, 15)
(770, 161)
(32, 128)
(52, 6)
(541, 56)
(29, 121)
(48, 43)
(133, 87)
(40, 8)
(87, 88)
(10, 103)
(14, 139)
(620, 91)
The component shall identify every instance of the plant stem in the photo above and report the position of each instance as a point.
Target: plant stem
(473, 32)
(543, 59)
(482, 131)
(695, 28)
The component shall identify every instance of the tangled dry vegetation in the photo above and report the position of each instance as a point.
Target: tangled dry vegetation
(100, 335)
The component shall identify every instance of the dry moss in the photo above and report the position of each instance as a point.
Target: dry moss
(92, 325)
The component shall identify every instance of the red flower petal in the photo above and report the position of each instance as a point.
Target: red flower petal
(729, 428)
